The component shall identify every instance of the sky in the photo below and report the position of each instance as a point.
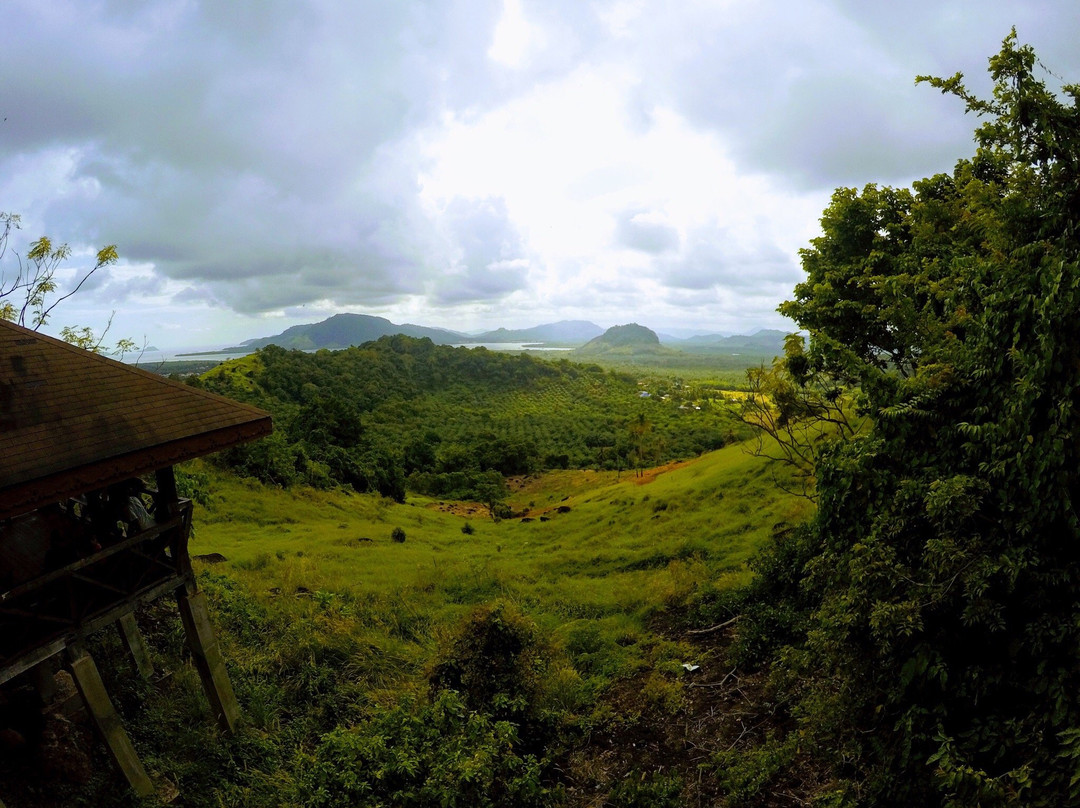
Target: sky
(470, 163)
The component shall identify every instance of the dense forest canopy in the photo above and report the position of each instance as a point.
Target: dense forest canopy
(924, 628)
(454, 422)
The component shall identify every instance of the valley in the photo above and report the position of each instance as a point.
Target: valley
(335, 632)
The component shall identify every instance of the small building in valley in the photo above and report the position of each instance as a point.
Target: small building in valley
(91, 524)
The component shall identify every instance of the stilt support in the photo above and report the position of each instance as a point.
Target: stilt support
(136, 646)
(92, 689)
(207, 655)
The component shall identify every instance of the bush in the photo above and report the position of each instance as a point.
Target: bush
(468, 529)
(493, 662)
(440, 754)
(397, 535)
(647, 791)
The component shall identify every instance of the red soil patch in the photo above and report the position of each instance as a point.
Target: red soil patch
(648, 475)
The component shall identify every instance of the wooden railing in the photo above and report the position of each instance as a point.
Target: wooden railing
(42, 616)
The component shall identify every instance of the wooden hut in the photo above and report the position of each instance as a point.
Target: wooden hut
(90, 521)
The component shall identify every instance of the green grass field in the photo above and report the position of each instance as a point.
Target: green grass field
(318, 606)
(614, 540)
(332, 631)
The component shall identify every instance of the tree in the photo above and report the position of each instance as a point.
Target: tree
(29, 296)
(796, 410)
(938, 660)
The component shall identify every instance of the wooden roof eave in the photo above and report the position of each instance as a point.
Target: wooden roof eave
(32, 494)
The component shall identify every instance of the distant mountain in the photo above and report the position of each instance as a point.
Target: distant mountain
(767, 342)
(624, 340)
(343, 330)
(564, 331)
(670, 334)
(622, 335)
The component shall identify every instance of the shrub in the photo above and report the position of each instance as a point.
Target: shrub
(440, 754)
(492, 662)
(468, 529)
(397, 535)
(647, 791)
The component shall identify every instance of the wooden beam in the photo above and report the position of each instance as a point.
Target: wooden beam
(174, 522)
(23, 662)
(92, 689)
(207, 655)
(135, 645)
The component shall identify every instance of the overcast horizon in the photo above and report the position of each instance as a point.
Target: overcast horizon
(470, 165)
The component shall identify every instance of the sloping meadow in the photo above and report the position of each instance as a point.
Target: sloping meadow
(406, 654)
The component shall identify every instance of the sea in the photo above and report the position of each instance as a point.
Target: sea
(201, 352)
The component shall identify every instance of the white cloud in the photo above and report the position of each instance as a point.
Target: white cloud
(472, 163)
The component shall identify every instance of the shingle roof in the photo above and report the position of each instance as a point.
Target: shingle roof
(72, 421)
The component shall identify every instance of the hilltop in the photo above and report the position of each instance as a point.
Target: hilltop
(571, 332)
(621, 336)
(631, 343)
(768, 341)
(346, 330)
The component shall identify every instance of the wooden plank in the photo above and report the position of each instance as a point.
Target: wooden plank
(207, 655)
(27, 661)
(135, 645)
(92, 689)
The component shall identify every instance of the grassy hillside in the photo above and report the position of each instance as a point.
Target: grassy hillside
(341, 640)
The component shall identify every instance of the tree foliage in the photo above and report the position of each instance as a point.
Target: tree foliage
(937, 659)
(453, 422)
(28, 295)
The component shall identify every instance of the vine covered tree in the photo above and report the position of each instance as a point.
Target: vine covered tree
(931, 651)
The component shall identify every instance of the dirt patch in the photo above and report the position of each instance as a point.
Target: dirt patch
(720, 709)
(648, 475)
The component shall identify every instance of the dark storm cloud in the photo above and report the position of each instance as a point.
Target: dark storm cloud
(228, 142)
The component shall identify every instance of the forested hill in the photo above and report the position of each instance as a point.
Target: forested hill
(344, 330)
(452, 422)
(630, 335)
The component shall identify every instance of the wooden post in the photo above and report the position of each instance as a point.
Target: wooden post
(92, 689)
(43, 677)
(196, 619)
(207, 656)
(168, 499)
(135, 645)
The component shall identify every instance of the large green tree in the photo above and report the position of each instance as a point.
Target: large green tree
(936, 650)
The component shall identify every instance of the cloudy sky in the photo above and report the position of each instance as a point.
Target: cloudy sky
(471, 163)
